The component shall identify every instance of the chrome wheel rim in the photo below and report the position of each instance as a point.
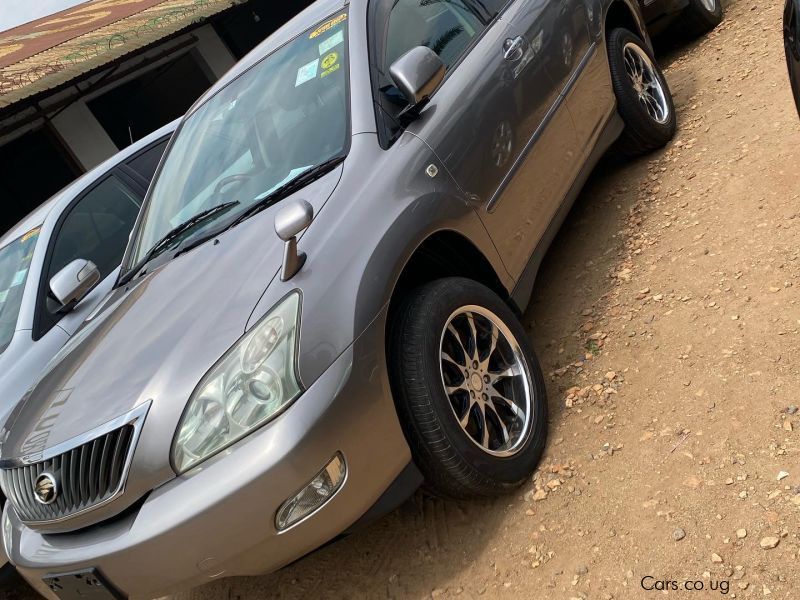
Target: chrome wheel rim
(502, 143)
(566, 49)
(646, 83)
(709, 5)
(486, 380)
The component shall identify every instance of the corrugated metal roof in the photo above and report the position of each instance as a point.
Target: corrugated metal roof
(49, 52)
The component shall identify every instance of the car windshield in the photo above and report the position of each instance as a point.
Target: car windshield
(281, 118)
(15, 262)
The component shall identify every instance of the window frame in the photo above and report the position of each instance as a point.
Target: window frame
(43, 320)
(378, 12)
(133, 173)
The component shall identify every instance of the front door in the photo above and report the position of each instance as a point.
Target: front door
(488, 119)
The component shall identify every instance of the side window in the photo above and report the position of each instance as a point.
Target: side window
(146, 163)
(445, 26)
(97, 229)
(493, 7)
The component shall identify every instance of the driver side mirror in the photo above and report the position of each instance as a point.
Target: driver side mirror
(417, 74)
(72, 283)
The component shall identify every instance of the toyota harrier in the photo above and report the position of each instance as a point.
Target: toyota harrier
(318, 308)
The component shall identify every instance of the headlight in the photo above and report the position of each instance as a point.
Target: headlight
(250, 385)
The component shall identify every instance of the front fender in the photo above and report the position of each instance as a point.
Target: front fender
(384, 208)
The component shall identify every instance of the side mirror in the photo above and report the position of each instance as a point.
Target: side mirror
(290, 222)
(71, 284)
(417, 74)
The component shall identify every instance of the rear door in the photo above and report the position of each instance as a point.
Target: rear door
(545, 155)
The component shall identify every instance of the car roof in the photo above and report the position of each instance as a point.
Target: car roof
(62, 199)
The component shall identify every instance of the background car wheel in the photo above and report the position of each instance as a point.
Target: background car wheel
(643, 98)
(9, 578)
(791, 45)
(468, 388)
(700, 17)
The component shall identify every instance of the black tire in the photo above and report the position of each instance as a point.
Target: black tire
(643, 132)
(697, 20)
(453, 464)
(9, 578)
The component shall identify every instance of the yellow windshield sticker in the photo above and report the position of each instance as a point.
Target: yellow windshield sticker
(329, 61)
(32, 233)
(327, 26)
(333, 69)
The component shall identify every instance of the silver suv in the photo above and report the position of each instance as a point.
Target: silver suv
(318, 307)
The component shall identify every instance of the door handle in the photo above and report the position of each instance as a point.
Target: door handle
(513, 49)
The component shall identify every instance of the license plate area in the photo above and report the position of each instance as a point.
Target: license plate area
(88, 584)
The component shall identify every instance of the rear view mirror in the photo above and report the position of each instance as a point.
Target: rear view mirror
(417, 74)
(71, 284)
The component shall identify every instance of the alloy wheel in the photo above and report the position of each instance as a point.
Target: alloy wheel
(487, 381)
(709, 5)
(567, 48)
(502, 143)
(646, 83)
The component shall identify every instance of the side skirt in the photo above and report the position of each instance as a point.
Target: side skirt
(522, 292)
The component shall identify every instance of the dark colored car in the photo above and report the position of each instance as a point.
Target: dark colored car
(791, 35)
(693, 17)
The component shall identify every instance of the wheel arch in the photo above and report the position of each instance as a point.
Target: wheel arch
(621, 13)
(447, 253)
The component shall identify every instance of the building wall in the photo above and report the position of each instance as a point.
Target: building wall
(80, 130)
(83, 135)
(72, 126)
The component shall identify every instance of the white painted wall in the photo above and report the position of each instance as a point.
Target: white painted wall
(84, 135)
(213, 50)
(82, 132)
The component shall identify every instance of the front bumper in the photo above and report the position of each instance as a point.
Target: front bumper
(219, 519)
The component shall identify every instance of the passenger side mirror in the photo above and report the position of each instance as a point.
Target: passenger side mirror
(72, 283)
(291, 221)
(417, 74)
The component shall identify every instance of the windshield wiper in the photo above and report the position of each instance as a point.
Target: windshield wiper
(164, 243)
(289, 188)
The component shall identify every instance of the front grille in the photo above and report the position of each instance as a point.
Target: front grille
(86, 476)
(88, 471)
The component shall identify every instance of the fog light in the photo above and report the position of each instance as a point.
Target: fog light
(319, 490)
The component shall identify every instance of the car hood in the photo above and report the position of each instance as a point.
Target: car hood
(153, 340)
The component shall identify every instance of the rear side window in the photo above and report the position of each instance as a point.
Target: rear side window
(493, 7)
(446, 26)
(146, 163)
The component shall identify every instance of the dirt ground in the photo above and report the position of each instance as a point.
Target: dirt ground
(667, 319)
